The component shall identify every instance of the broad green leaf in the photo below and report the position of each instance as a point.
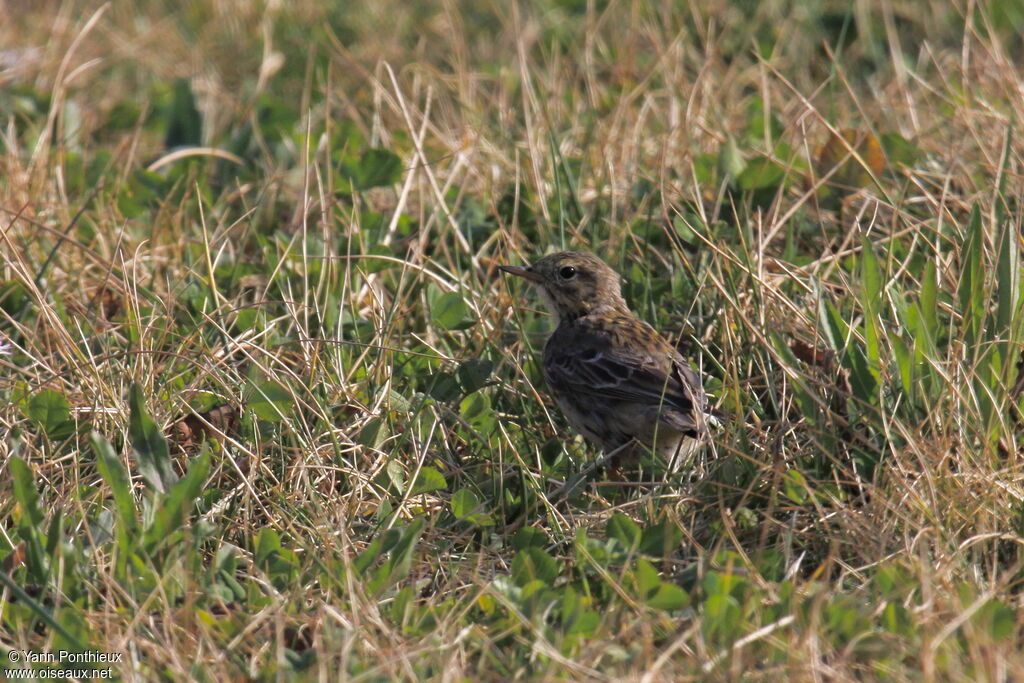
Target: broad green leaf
(476, 409)
(466, 507)
(1002, 618)
(267, 544)
(428, 479)
(464, 503)
(730, 160)
(379, 167)
(271, 401)
(54, 533)
(116, 477)
(899, 150)
(450, 311)
(794, 485)
(74, 628)
(646, 577)
(760, 174)
(52, 412)
(377, 546)
(400, 559)
(533, 564)
(722, 615)
(13, 297)
(178, 504)
(474, 373)
(529, 537)
(25, 492)
(661, 539)
(838, 334)
(396, 474)
(905, 364)
(668, 597)
(119, 481)
(577, 617)
(30, 528)
(624, 530)
(149, 444)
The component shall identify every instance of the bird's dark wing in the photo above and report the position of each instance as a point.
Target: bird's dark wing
(591, 364)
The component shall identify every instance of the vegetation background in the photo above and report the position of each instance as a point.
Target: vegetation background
(270, 411)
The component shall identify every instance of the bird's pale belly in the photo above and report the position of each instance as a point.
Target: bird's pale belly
(614, 425)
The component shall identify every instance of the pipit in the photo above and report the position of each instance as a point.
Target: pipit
(616, 379)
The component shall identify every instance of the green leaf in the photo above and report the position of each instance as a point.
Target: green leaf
(838, 334)
(971, 289)
(116, 477)
(529, 537)
(722, 615)
(905, 364)
(730, 160)
(149, 444)
(399, 560)
(466, 506)
(69, 638)
(13, 297)
(871, 297)
(428, 479)
(30, 526)
(794, 485)
(396, 474)
(476, 409)
(379, 167)
(929, 306)
(624, 530)
(464, 503)
(271, 401)
(379, 545)
(184, 123)
(474, 373)
(181, 498)
(52, 412)
(759, 174)
(1003, 619)
(533, 564)
(661, 539)
(801, 392)
(576, 617)
(646, 577)
(268, 543)
(25, 492)
(899, 150)
(451, 312)
(668, 597)
(1008, 279)
(443, 387)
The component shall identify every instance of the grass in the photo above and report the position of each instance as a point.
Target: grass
(271, 411)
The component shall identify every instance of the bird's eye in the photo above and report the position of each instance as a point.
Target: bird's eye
(567, 273)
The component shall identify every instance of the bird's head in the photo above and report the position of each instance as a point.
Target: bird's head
(573, 284)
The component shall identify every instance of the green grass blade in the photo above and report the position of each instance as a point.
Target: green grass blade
(971, 289)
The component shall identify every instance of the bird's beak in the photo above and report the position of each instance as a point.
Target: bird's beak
(525, 273)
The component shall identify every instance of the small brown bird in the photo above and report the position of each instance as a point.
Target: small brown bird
(618, 381)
